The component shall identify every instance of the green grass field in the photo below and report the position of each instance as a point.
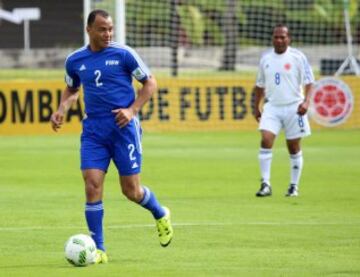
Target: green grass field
(209, 181)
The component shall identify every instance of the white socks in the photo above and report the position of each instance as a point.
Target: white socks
(296, 163)
(265, 158)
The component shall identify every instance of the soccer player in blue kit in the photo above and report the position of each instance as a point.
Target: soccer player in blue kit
(111, 129)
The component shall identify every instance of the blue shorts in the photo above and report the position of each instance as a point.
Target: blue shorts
(102, 140)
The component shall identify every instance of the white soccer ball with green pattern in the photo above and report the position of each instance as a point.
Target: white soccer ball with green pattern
(80, 250)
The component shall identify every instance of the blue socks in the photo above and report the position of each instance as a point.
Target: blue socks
(94, 213)
(150, 203)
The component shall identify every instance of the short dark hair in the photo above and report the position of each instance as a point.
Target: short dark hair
(281, 25)
(94, 13)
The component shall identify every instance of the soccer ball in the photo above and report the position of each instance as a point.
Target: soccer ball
(80, 250)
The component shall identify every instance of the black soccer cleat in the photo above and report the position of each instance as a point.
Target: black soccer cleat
(265, 190)
(292, 191)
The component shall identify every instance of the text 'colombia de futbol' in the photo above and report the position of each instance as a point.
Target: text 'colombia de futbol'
(202, 103)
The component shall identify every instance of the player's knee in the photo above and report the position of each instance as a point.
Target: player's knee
(266, 143)
(93, 189)
(294, 146)
(267, 140)
(293, 150)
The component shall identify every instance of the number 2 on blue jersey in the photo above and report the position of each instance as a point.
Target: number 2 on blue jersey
(277, 78)
(97, 73)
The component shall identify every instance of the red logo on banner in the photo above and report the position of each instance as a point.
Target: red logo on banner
(331, 102)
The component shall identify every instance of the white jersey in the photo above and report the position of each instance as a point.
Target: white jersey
(283, 75)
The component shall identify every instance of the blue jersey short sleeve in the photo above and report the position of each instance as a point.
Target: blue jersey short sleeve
(71, 78)
(136, 66)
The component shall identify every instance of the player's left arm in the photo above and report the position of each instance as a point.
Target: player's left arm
(149, 86)
(308, 81)
(123, 116)
(304, 106)
(137, 69)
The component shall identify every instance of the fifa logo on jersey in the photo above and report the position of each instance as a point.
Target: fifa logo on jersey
(112, 62)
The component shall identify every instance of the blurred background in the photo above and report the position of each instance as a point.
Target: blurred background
(208, 34)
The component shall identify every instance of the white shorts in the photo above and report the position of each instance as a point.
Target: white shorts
(275, 118)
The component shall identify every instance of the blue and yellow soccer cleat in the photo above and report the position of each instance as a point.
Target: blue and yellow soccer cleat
(101, 257)
(165, 229)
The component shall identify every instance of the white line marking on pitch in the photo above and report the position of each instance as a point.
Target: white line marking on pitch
(205, 224)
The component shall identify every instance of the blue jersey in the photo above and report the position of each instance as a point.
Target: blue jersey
(106, 76)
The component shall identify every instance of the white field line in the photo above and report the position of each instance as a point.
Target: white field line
(195, 224)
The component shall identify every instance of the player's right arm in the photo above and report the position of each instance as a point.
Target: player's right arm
(259, 90)
(68, 97)
(259, 94)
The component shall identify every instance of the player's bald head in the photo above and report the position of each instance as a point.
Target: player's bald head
(92, 16)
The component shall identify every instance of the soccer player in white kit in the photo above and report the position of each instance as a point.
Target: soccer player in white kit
(283, 73)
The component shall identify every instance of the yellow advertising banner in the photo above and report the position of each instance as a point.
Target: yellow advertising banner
(178, 105)
(26, 107)
(202, 104)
